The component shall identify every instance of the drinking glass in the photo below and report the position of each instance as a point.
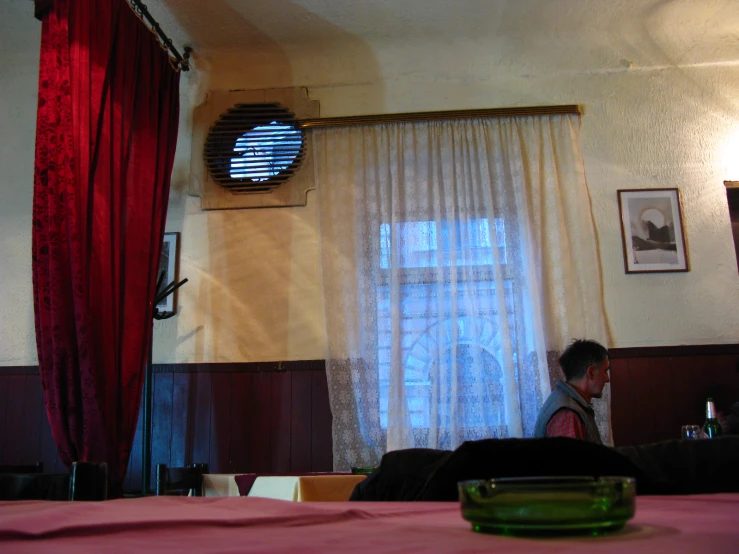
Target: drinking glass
(691, 431)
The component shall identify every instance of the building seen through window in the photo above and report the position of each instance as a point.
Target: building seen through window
(445, 268)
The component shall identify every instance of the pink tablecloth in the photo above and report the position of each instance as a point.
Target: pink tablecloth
(241, 524)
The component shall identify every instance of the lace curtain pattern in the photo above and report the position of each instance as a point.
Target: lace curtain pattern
(455, 256)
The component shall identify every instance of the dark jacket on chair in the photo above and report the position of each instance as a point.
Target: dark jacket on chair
(670, 467)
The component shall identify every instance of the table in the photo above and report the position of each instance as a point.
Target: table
(297, 488)
(675, 524)
(220, 484)
(306, 488)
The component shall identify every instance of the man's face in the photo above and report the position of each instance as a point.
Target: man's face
(600, 376)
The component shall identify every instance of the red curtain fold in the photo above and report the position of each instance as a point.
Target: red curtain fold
(105, 141)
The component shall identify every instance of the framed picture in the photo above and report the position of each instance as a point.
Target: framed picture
(652, 231)
(168, 264)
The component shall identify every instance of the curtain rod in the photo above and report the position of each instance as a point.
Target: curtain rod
(182, 62)
(322, 122)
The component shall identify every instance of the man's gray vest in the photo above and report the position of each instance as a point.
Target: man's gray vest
(565, 396)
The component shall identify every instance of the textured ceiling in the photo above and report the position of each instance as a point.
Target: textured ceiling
(705, 30)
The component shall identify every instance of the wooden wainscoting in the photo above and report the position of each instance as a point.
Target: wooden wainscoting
(239, 418)
(25, 434)
(252, 417)
(656, 390)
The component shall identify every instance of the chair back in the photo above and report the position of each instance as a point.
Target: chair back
(38, 467)
(180, 481)
(89, 481)
(34, 486)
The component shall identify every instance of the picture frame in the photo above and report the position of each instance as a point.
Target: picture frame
(652, 231)
(168, 262)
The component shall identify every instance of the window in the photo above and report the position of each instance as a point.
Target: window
(430, 276)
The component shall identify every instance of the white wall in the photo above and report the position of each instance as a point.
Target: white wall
(661, 104)
(20, 36)
(651, 120)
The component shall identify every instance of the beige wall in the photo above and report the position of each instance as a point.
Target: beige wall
(20, 34)
(660, 110)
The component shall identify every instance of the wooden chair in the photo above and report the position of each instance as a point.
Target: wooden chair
(89, 481)
(86, 481)
(180, 481)
(21, 482)
(38, 467)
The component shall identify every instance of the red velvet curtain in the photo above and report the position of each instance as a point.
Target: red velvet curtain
(105, 140)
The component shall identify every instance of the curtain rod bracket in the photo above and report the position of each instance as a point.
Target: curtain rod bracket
(140, 9)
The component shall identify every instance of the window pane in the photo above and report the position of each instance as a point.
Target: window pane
(418, 243)
(425, 330)
(425, 342)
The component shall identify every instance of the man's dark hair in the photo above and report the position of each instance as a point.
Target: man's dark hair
(580, 355)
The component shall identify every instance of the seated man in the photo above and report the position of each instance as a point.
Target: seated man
(568, 412)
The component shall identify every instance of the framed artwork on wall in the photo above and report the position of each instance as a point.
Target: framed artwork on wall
(168, 265)
(732, 196)
(652, 231)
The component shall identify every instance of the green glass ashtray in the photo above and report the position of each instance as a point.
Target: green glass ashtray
(548, 505)
(362, 470)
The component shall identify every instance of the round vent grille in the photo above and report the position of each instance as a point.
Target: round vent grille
(254, 147)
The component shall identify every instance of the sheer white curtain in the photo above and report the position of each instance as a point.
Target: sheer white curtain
(455, 255)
